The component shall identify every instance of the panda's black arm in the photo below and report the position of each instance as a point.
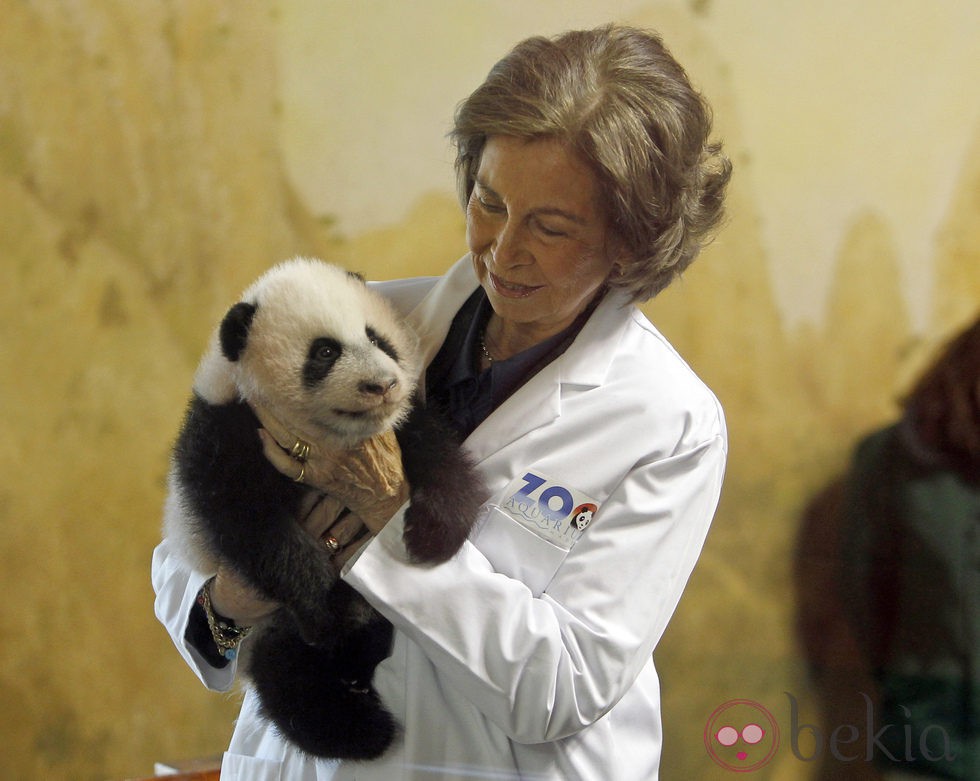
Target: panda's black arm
(446, 489)
(246, 512)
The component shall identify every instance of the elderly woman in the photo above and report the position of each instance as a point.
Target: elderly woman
(589, 183)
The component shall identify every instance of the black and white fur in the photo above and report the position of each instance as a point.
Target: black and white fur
(313, 344)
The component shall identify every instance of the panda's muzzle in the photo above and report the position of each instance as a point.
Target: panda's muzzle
(382, 388)
(378, 397)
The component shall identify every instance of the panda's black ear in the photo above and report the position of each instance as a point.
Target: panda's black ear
(234, 329)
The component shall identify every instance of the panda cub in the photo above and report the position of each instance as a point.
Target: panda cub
(318, 348)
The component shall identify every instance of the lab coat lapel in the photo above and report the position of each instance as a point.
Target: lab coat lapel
(538, 403)
(584, 364)
(432, 318)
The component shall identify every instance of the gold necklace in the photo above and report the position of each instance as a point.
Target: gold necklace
(483, 346)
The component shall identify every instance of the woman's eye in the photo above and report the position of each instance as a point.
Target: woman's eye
(550, 232)
(491, 207)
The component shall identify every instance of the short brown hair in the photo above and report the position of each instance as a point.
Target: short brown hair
(622, 102)
(944, 405)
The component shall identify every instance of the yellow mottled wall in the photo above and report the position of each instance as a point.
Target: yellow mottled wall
(155, 157)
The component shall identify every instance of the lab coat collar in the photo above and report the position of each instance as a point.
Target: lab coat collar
(584, 364)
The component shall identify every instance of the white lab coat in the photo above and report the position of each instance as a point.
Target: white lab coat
(529, 654)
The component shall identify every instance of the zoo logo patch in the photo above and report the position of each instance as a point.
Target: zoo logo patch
(551, 510)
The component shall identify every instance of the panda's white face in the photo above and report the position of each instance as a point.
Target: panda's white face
(325, 354)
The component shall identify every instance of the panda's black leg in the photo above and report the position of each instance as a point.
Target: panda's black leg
(305, 691)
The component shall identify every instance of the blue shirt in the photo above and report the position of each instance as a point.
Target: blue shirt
(458, 388)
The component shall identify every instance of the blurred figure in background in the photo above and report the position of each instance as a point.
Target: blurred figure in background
(902, 534)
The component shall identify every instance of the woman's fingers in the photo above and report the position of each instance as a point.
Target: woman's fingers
(368, 478)
(345, 553)
(345, 538)
(271, 424)
(295, 446)
(345, 529)
(280, 459)
(323, 515)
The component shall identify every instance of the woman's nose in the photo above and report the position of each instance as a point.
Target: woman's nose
(508, 246)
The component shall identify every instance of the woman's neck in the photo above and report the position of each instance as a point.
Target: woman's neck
(503, 339)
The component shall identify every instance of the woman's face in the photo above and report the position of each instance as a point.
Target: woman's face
(536, 234)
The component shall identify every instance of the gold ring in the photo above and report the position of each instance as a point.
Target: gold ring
(300, 450)
(332, 544)
(302, 473)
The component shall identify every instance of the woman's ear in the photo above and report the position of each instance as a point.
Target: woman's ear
(621, 260)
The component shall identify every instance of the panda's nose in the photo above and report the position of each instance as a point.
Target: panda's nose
(379, 388)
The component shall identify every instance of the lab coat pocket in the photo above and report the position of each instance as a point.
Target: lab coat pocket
(518, 552)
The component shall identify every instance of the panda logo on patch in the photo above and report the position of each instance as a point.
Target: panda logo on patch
(582, 516)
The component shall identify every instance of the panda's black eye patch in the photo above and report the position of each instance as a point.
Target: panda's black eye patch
(322, 355)
(381, 343)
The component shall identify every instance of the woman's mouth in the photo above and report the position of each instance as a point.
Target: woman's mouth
(511, 289)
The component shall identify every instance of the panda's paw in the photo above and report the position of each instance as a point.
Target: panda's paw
(435, 532)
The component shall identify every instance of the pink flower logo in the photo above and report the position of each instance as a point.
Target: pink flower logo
(741, 736)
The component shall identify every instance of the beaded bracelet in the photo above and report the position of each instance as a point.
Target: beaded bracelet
(227, 637)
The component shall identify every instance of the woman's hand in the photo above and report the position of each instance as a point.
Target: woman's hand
(232, 597)
(368, 478)
(341, 533)
(322, 517)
